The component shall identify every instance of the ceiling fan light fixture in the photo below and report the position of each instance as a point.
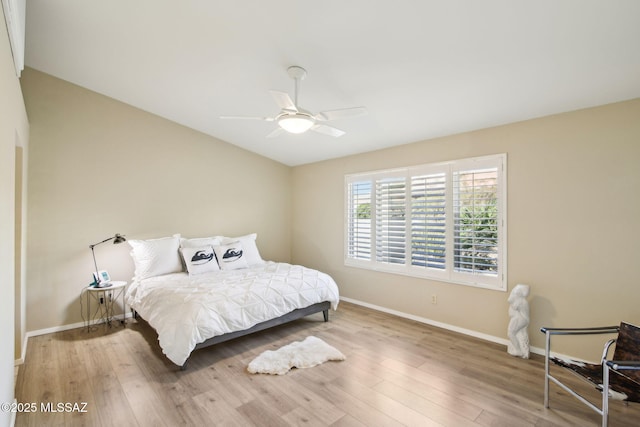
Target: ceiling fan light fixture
(293, 119)
(296, 123)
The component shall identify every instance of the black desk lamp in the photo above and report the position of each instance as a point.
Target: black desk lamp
(118, 238)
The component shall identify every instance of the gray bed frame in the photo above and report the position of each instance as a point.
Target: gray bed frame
(289, 317)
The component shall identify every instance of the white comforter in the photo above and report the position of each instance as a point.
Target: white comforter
(186, 310)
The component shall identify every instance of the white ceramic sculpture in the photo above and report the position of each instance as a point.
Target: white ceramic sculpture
(519, 313)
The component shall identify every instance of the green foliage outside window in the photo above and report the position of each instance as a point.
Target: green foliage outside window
(364, 211)
(477, 235)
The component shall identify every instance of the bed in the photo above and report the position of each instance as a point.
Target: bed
(191, 306)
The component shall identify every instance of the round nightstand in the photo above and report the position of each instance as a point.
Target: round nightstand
(104, 298)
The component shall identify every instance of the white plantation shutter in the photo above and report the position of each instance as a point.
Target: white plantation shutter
(444, 221)
(359, 220)
(390, 220)
(476, 221)
(428, 221)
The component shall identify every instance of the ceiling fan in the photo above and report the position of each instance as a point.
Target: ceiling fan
(294, 119)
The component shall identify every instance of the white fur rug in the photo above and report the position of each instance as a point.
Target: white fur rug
(299, 354)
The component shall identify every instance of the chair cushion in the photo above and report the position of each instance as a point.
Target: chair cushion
(624, 387)
(628, 347)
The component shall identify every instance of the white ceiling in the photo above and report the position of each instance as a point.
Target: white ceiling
(423, 68)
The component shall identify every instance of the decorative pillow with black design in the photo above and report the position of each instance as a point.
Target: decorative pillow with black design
(196, 243)
(199, 260)
(231, 256)
(250, 250)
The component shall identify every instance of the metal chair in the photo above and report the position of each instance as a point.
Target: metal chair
(620, 375)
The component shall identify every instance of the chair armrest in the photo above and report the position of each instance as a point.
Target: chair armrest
(581, 331)
(624, 365)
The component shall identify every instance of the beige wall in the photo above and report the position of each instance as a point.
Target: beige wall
(14, 136)
(99, 167)
(573, 224)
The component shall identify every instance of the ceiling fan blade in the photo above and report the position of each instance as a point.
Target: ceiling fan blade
(328, 130)
(266, 119)
(277, 131)
(283, 100)
(341, 114)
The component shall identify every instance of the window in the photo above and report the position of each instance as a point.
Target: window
(444, 221)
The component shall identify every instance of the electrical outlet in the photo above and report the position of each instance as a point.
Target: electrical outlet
(434, 299)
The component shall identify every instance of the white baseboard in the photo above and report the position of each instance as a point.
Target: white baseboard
(12, 422)
(23, 352)
(67, 327)
(55, 329)
(437, 324)
(45, 331)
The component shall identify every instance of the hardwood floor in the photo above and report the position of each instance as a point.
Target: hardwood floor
(397, 372)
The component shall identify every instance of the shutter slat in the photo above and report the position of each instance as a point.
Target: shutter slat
(428, 221)
(359, 220)
(390, 220)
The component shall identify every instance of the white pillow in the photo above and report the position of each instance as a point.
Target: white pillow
(251, 253)
(199, 242)
(231, 256)
(200, 260)
(155, 257)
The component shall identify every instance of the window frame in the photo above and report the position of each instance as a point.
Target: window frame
(448, 273)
